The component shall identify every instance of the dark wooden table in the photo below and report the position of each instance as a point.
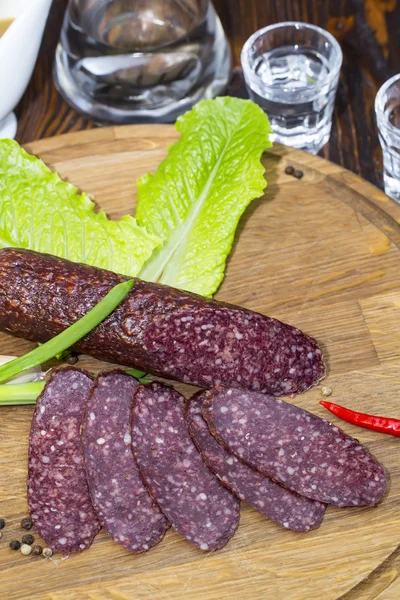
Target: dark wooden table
(369, 33)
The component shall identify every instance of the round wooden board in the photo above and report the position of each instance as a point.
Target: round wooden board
(321, 253)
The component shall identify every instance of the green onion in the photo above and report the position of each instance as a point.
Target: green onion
(14, 394)
(136, 373)
(20, 393)
(144, 380)
(70, 336)
(140, 375)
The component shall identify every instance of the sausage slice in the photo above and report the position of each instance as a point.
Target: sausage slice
(271, 499)
(58, 494)
(122, 503)
(303, 452)
(188, 493)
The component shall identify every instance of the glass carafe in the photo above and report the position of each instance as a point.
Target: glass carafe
(127, 61)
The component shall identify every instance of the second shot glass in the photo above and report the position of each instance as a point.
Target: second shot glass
(387, 109)
(292, 71)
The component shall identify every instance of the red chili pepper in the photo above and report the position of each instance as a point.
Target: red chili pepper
(381, 424)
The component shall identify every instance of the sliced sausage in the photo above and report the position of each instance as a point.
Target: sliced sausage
(271, 499)
(122, 503)
(58, 494)
(301, 451)
(165, 331)
(188, 493)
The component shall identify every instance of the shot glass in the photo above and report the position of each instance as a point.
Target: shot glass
(292, 71)
(387, 109)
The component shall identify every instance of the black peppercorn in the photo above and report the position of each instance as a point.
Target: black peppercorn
(2, 523)
(26, 523)
(289, 170)
(298, 174)
(72, 359)
(28, 539)
(37, 550)
(15, 545)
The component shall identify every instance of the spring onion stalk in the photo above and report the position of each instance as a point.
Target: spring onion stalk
(20, 393)
(140, 375)
(136, 373)
(17, 394)
(70, 336)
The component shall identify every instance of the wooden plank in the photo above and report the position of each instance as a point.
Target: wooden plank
(382, 317)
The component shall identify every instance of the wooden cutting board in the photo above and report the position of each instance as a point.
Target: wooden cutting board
(321, 253)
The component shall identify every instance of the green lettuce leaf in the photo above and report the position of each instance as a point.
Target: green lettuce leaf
(41, 212)
(196, 197)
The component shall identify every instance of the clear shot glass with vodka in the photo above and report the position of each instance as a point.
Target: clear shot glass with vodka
(292, 71)
(387, 109)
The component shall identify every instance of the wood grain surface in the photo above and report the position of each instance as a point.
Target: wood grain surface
(321, 253)
(368, 31)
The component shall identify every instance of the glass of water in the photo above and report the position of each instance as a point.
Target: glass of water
(126, 61)
(387, 109)
(292, 71)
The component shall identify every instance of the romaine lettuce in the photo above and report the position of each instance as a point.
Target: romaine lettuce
(196, 197)
(41, 212)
